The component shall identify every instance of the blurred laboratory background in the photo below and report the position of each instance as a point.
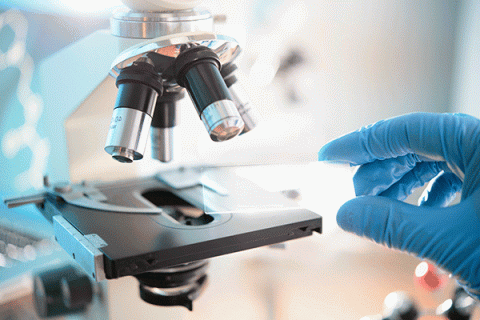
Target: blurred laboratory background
(314, 70)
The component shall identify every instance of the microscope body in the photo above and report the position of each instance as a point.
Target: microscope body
(79, 85)
(103, 93)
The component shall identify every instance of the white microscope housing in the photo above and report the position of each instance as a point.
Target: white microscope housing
(79, 86)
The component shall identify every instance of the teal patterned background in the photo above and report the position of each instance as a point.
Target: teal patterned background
(25, 40)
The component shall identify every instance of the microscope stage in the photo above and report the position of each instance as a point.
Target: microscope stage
(177, 217)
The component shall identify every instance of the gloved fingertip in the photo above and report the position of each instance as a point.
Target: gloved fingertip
(348, 216)
(323, 154)
(329, 154)
(380, 219)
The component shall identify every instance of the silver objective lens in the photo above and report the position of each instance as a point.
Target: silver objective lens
(244, 107)
(128, 134)
(222, 120)
(162, 143)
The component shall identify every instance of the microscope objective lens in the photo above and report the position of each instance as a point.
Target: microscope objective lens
(163, 122)
(138, 89)
(128, 134)
(123, 155)
(197, 69)
(240, 97)
(221, 120)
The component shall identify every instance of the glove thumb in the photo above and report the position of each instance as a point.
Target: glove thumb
(448, 236)
(386, 221)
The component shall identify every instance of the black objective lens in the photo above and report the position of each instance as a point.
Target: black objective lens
(198, 70)
(163, 121)
(138, 89)
(137, 96)
(240, 97)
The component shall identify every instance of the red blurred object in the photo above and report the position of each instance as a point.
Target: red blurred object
(429, 277)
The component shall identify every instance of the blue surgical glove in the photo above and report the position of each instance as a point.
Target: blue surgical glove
(403, 153)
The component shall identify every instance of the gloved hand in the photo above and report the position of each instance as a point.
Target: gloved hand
(395, 157)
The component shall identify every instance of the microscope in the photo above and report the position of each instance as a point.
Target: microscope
(105, 96)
